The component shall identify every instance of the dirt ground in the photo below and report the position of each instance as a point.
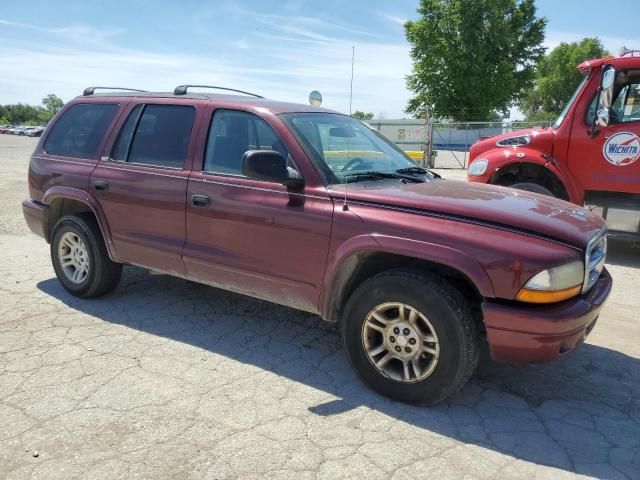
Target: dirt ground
(169, 379)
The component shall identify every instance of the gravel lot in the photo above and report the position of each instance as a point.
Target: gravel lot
(169, 379)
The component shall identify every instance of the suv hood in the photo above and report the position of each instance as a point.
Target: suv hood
(515, 209)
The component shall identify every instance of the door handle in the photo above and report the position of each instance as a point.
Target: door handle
(200, 200)
(101, 186)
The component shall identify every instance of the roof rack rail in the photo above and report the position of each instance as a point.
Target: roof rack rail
(182, 90)
(91, 90)
(626, 52)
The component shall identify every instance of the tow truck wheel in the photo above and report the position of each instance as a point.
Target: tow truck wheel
(410, 336)
(533, 187)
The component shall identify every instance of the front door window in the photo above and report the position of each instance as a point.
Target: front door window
(233, 133)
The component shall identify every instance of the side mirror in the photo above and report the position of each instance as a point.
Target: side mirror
(606, 97)
(269, 166)
(608, 81)
(602, 117)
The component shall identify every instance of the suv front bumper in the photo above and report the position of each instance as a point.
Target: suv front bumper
(523, 333)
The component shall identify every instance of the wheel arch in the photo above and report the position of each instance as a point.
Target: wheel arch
(65, 200)
(504, 162)
(530, 172)
(349, 270)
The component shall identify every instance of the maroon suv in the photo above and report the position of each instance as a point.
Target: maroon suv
(315, 210)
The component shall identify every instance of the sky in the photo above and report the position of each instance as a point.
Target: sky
(279, 49)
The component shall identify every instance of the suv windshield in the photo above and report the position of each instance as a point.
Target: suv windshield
(346, 148)
(565, 110)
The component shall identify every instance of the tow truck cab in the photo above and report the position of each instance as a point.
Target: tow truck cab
(590, 155)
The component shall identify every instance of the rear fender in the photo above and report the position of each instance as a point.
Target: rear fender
(59, 192)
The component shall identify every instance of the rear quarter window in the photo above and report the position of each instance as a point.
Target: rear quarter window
(80, 129)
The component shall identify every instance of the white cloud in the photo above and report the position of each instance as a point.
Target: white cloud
(393, 18)
(29, 74)
(300, 56)
(302, 25)
(73, 32)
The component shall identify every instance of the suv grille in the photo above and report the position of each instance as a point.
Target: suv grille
(595, 257)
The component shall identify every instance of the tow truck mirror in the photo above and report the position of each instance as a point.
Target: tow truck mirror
(602, 117)
(606, 97)
(606, 93)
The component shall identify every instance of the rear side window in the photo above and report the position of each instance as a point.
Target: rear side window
(79, 130)
(155, 135)
(232, 133)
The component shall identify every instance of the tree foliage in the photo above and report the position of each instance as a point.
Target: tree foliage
(23, 114)
(557, 77)
(362, 115)
(52, 103)
(472, 58)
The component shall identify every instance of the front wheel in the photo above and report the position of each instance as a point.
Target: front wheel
(410, 336)
(533, 187)
(80, 258)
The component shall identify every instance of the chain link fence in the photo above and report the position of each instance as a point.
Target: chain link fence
(451, 142)
(444, 144)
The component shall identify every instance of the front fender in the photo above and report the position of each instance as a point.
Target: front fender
(346, 257)
(501, 158)
(59, 192)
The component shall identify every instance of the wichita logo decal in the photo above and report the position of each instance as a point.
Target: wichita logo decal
(622, 149)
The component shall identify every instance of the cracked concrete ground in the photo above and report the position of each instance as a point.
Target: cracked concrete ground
(170, 379)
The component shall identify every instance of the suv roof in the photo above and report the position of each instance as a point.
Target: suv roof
(273, 106)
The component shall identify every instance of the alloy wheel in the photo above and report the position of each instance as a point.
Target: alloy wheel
(400, 342)
(73, 257)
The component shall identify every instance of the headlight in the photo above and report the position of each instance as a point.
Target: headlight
(554, 285)
(478, 167)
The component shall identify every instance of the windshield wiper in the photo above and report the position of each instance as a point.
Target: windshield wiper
(419, 171)
(373, 175)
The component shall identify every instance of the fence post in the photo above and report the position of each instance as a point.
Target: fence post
(427, 155)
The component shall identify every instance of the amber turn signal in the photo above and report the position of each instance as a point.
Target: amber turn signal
(547, 296)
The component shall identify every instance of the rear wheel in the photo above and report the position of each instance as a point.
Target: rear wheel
(410, 336)
(80, 258)
(533, 187)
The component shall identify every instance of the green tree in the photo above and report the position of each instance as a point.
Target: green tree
(544, 117)
(22, 114)
(557, 77)
(52, 104)
(472, 58)
(362, 115)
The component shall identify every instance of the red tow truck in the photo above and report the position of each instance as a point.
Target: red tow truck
(591, 154)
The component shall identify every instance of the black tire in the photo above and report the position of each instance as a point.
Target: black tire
(447, 311)
(533, 187)
(103, 274)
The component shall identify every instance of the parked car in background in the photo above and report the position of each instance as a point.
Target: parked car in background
(33, 131)
(30, 131)
(312, 209)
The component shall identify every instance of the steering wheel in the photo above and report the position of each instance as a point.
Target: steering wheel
(354, 162)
